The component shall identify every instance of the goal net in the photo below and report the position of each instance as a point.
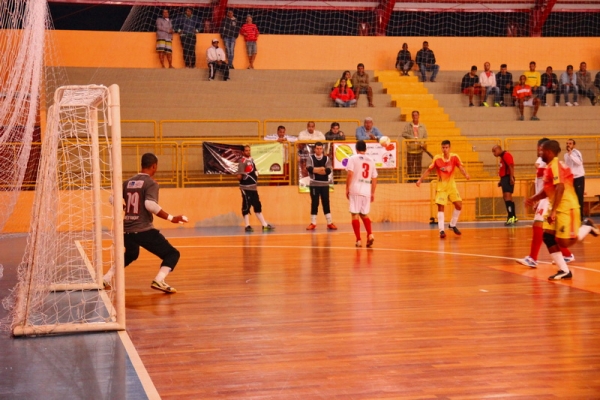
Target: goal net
(76, 227)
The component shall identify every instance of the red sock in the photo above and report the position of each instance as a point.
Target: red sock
(536, 242)
(356, 227)
(565, 252)
(367, 223)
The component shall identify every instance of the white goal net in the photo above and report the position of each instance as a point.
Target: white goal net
(76, 228)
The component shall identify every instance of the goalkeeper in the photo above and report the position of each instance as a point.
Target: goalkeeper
(248, 176)
(141, 201)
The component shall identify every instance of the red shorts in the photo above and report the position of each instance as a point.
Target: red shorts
(476, 90)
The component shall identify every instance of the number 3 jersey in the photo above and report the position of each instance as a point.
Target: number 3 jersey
(363, 172)
(136, 191)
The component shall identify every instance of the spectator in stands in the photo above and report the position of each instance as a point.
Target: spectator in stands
(364, 29)
(523, 96)
(426, 62)
(470, 86)
(404, 61)
(534, 80)
(550, 82)
(361, 85)
(335, 133)
(584, 83)
(342, 95)
(281, 136)
(230, 31)
(187, 25)
(215, 57)
(347, 76)
(504, 80)
(164, 39)
(487, 80)
(368, 131)
(597, 82)
(568, 83)
(414, 150)
(250, 33)
(310, 133)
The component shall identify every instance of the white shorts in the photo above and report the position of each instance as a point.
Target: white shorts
(541, 211)
(359, 204)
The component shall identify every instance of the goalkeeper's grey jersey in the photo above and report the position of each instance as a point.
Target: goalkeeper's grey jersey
(136, 191)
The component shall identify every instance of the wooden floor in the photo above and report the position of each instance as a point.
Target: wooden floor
(297, 315)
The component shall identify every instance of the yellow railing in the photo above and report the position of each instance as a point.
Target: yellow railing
(294, 126)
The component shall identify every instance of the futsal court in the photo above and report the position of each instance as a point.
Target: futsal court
(296, 314)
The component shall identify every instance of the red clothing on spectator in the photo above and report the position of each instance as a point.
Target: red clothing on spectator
(249, 32)
(522, 91)
(347, 96)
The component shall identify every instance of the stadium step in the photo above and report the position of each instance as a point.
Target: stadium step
(403, 92)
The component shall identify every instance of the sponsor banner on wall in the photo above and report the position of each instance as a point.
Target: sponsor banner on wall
(304, 151)
(220, 158)
(384, 157)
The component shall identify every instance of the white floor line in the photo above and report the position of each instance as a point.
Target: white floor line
(139, 367)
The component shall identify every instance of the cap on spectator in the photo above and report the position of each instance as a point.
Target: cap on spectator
(215, 40)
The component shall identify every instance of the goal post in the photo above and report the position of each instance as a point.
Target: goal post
(76, 233)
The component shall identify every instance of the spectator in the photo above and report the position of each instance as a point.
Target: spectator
(250, 33)
(597, 82)
(504, 80)
(584, 83)
(310, 133)
(164, 39)
(335, 133)
(342, 95)
(470, 85)
(506, 171)
(215, 57)
(364, 29)
(534, 80)
(426, 62)
(360, 84)
(187, 25)
(347, 76)
(230, 32)
(414, 157)
(404, 62)
(368, 131)
(522, 96)
(574, 161)
(568, 83)
(248, 177)
(550, 82)
(487, 79)
(319, 167)
(281, 136)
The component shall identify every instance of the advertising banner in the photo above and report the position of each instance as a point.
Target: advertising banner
(305, 150)
(384, 157)
(220, 158)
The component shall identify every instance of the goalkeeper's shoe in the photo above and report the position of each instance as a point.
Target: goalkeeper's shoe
(163, 287)
(268, 228)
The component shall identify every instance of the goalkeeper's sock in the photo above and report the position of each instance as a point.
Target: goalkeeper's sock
(327, 217)
(261, 219)
(247, 219)
(162, 274)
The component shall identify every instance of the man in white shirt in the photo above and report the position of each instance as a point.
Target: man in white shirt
(361, 181)
(487, 79)
(574, 161)
(281, 136)
(310, 133)
(215, 57)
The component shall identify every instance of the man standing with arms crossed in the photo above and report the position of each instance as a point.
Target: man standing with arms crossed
(445, 165)
(361, 182)
(506, 172)
(319, 167)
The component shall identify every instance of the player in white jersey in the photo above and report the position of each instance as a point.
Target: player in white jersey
(541, 212)
(361, 182)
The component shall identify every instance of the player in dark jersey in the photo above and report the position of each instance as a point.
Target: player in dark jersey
(248, 176)
(319, 167)
(140, 194)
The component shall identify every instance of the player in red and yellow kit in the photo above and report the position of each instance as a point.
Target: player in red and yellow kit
(563, 226)
(445, 164)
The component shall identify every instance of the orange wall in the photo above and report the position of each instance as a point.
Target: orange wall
(136, 50)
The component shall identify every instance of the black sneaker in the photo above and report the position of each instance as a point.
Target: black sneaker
(455, 230)
(595, 231)
(268, 228)
(442, 235)
(560, 275)
(249, 229)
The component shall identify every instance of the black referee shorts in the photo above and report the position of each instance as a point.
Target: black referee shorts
(505, 184)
